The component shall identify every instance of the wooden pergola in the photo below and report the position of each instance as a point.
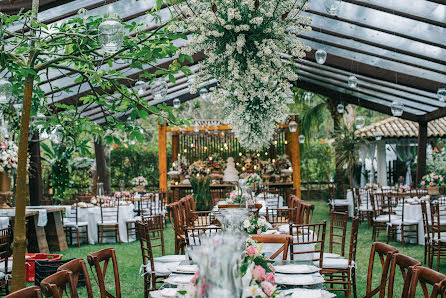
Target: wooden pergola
(291, 144)
(396, 51)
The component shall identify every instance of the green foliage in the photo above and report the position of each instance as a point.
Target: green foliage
(202, 192)
(133, 161)
(438, 162)
(317, 160)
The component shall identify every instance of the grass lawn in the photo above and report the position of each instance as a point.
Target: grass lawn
(129, 257)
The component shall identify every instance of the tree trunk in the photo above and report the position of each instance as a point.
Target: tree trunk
(35, 177)
(339, 172)
(101, 170)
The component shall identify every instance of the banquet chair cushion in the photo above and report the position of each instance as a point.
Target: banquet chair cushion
(331, 263)
(365, 208)
(73, 224)
(399, 221)
(134, 219)
(169, 259)
(164, 269)
(107, 223)
(442, 237)
(385, 218)
(328, 255)
(2, 266)
(2, 276)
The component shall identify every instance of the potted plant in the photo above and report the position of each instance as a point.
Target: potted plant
(432, 182)
(139, 183)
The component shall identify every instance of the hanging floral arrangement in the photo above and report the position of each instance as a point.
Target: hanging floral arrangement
(249, 46)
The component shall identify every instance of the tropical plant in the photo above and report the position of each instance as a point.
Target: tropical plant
(202, 192)
(347, 145)
(437, 162)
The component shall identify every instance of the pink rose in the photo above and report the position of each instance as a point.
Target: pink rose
(271, 267)
(423, 183)
(251, 251)
(195, 277)
(262, 217)
(270, 277)
(268, 288)
(258, 273)
(259, 231)
(431, 184)
(4, 146)
(436, 177)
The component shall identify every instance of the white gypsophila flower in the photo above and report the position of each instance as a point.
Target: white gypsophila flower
(247, 46)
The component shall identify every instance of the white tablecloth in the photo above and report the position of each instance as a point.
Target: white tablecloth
(42, 218)
(4, 222)
(93, 215)
(270, 248)
(261, 200)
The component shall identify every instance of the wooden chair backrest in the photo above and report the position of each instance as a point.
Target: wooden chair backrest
(435, 220)
(286, 240)
(103, 256)
(5, 246)
(55, 285)
(353, 242)
(338, 230)
(279, 215)
(156, 228)
(426, 222)
(142, 230)
(384, 252)
(426, 276)
(193, 234)
(404, 263)
(218, 195)
(304, 211)
(78, 267)
(109, 210)
(313, 234)
(289, 192)
(177, 214)
(29, 292)
(271, 197)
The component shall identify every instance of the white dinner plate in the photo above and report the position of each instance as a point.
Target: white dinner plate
(178, 280)
(299, 279)
(308, 293)
(296, 269)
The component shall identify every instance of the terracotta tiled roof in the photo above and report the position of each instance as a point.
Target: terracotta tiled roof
(399, 128)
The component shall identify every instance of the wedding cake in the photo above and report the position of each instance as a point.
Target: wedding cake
(231, 173)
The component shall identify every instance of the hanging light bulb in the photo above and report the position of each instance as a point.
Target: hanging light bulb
(5, 91)
(18, 108)
(111, 35)
(190, 81)
(196, 127)
(292, 126)
(176, 103)
(333, 6)
(204, 94)
(340, 108)
(159, 89)
(378, 135)
(140, 87)
(82, 13)
(301, 139)
(352, 82)
(441, 93)
(43, 134)
(397, 108)
(321, 56)
(57, 134)
(359, 122)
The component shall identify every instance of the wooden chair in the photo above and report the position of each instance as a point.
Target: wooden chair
(152, 275)
(5, 253)
(427, 233)
(303, 213)
(86, 198)
(217, 195)
(195, 218)
(78, 268)
(406, 265)
(109, 220)
(289, 192)
(341, 271)
(399, 224)
(72, 224)
(103, 256)
(363, 207)
(385, 253)
(438, 247)
(193, 234)
(382, 214)
(338, 231)
(279, 216)
(29, 292)
(271, 197)
(426, 276)
(179, 222)
(308, 234)
(286, 240)
(55, 285)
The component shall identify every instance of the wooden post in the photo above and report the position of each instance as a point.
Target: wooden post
(162, 156)
(421, 154)
(288, 144)
(101, 171)
(175, 146)
(295, 158)
(35, 177)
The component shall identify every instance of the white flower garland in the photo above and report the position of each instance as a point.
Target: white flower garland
(245, 42)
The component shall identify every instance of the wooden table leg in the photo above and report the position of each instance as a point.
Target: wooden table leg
(55, 233)
(36, 236)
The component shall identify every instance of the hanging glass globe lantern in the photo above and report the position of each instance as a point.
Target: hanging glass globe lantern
(176, 103)
(5, 91)
(111, 35)
(4, 129)
(378, 135)
(352, 82)
(18, 108)
(204, 94)
(43, 134)
(292, 126)
(196, 127)
(140, 87)
(57, 134)
(159, 89)
(82, 13)
(301, 139)
(190, 81)
(359, 122)
(397, 108)
(340, 108)
(441, 93)
(333, 6)
(321, 56)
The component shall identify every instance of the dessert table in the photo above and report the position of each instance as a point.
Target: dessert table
(92, 215)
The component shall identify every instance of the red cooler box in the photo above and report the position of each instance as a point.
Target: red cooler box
(31, 259)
